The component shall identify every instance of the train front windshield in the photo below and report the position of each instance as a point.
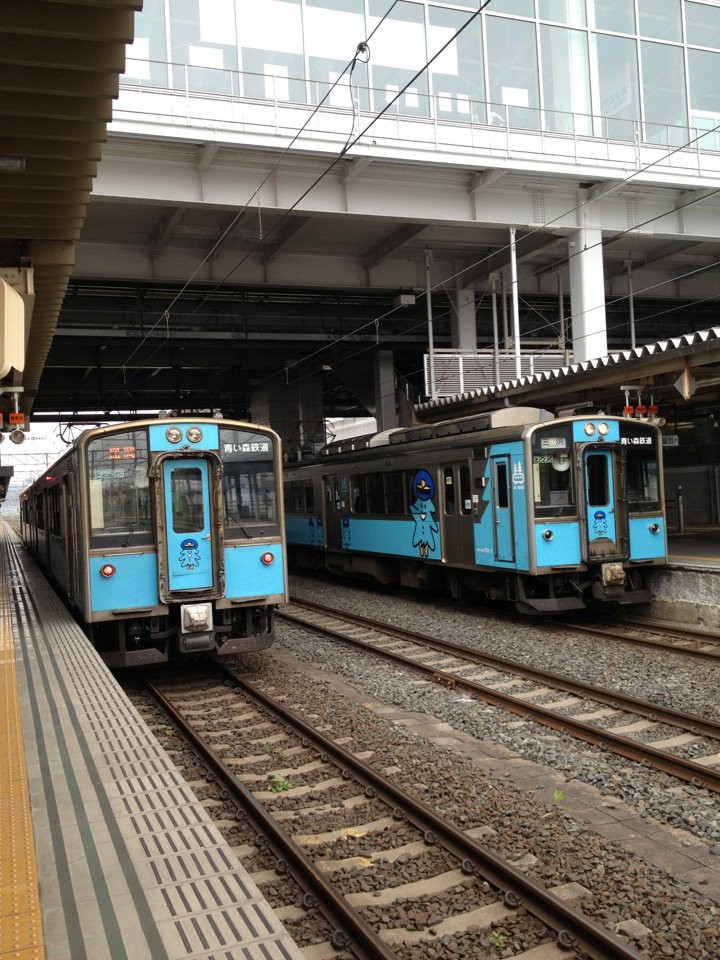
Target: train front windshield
(249, 480)
(552, 473)
(119, 493)
(642, 473)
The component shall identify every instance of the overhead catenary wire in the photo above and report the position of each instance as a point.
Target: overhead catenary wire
(363, 47)
(454, 276)
(361, 51)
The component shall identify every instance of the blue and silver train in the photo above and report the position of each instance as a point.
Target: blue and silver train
(549, 513)
(165, 537)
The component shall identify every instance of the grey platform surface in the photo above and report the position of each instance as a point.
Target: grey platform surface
(130, 864)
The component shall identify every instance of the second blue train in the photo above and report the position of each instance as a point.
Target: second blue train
(550, 513)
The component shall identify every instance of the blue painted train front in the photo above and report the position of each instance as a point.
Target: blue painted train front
(549, 513)
(165, 536)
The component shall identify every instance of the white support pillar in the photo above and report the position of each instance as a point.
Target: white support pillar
(463, 330)
(587, 295)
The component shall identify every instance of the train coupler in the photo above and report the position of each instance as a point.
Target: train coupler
(196, 632)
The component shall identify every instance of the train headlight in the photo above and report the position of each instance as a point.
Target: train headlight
(589, 429)
(267, 558)
(603, 429)
(654, 528)
(548, 535)
(194, 434)
(107, 570)
(173, 435)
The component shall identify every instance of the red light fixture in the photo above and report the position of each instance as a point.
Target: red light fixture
(107, 570)
(267, 558)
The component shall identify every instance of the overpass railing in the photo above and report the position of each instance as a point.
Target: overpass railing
(261, 105)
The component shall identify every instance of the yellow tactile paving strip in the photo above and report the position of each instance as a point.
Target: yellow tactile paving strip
(21, 936)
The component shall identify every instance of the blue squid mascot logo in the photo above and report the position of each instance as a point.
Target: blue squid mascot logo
(423, 513)
(189, 554)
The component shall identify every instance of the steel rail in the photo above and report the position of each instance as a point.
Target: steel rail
(678, 767)
(615, 631)
(346, 920)
(688, 721)
(575, 931)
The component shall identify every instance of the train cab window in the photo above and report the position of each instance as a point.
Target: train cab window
(598, 485)
(642, 481)
(449, 487)
(248, 481)
(552, 473)
(119, 488)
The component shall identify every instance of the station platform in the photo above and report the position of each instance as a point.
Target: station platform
(687, 591)
(696, 546)
(106, 852)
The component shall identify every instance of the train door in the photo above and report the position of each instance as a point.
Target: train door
(71, 522)
(457, 522)
(502, 509)
(604, 522)
(332, 501)
(186, 487)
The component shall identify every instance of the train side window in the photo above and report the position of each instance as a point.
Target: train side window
(395, 493)
(358, 494)
(449, 487)
(597, 480)
(294, 497)
(187, 500)
(40, 511)
(501, 477)
(465, 494)
(376, 493)
(54, 521)
(309, 497)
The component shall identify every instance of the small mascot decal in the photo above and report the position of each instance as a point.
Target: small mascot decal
(423, 513)
(189, 554)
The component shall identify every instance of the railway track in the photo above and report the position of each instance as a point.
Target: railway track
(634, 630)
(251, 742)
(666, 636)
(679, 744)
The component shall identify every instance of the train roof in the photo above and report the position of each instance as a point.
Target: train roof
(506, 417)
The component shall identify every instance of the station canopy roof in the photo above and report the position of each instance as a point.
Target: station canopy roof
(60, 64)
